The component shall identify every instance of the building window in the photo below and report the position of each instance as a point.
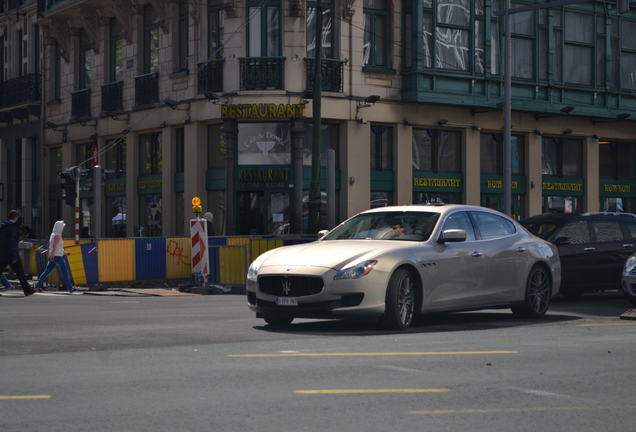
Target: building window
(264, 29)
(116, 51)
(327, 29)
(115, 157)
(617, 160)
(578, 48)
(375, 44)
(150, 41)
(491, 148)
(182, 35)
(328, 140)
(628, 55)
(55, 168)
(215, 45)
(150, 160)
(85, 60)
(381, 165)
(19, 54)
(562, 157)
(523, 35)
(436, 150)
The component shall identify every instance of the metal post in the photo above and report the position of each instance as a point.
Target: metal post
(98, 195)
(331, 188)
(507, 160)
(314, 191)
(77, 204)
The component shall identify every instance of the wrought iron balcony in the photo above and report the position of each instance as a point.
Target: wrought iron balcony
(331, 74)
(147, 89)
(44, 5)
(210, 76)
(81, 104)
(21, 90)
(262, 73)
(112, 97)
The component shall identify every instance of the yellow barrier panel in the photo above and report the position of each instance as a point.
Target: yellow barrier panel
(33, 261)
(257, 247)
(76, 263)
(232, 265)
(178, 250)
(116, 260)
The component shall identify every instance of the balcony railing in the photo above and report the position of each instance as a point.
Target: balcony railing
(147, 89)
(331, 74)
(262, 73)
(81, 104)
(14, 4)
(112, 97)
(44, 5)
(210, 76)
(20, 90)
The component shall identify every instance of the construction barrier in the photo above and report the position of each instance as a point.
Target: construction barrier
(120, 260)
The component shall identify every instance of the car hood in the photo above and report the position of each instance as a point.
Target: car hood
(333, 254)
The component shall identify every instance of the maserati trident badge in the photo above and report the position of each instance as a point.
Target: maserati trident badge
(286, 286)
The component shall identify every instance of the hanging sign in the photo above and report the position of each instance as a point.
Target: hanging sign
(262, 111)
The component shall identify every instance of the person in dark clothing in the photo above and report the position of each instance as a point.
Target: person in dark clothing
(9, 239)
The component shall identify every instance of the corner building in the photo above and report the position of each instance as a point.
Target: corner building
(176, 99)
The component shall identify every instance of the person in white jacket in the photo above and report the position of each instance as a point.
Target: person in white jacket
(56, 259)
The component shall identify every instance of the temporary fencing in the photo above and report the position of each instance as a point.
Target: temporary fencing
(154, 258)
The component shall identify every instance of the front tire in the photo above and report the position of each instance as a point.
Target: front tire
(400, 301)
(278, 321)
(538, 294)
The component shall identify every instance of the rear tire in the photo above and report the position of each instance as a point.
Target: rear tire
(538, 294)
(400, 301)
(278, 321)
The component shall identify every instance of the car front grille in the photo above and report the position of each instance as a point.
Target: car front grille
(633, 272)
(290, 286)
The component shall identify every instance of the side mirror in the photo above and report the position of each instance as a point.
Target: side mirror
(561, 241)
(452, 235)
(322, 233)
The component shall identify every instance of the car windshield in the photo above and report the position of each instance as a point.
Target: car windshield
(389, 225)
(541, 229)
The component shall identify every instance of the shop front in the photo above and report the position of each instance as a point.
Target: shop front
(492, 194)
(617, 172)
(562, 179)
(562, 195)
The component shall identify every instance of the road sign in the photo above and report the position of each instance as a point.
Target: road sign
(199, 242)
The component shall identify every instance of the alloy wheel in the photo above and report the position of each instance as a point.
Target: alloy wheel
(406, 300)
(538, 290)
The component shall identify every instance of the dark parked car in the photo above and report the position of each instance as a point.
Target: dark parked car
(593, 247)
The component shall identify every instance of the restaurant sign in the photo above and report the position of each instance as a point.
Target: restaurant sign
(427, 181)
(617, 188)
(262, 111)
(493, 184)
(263, 177)
(563, 186)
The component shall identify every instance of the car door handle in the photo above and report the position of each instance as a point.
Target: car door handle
(476, 254)
(521, 249)
(628, 246)
(589, 249)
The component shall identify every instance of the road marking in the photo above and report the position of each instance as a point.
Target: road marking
(521, 410)
(376, 354)
(373, 391)
(21, 397)
(125, 302)
(605, 324)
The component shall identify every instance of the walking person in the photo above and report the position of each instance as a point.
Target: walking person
(9, 240)
(56, 260)
(6, 285)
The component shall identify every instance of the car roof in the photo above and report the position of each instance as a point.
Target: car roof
(440, 208)
(558, 217)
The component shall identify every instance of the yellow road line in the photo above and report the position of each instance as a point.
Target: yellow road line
(369, 391)
(21, 397)
(520, 410)
(375, 354)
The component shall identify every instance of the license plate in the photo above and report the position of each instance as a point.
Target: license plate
(287, 301)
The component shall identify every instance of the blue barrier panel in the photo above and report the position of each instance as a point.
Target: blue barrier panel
(89, 255)
(150, 258)
(217, 241)
(214, 264)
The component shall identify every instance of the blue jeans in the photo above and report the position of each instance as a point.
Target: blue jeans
(4, 281)
(65, 276)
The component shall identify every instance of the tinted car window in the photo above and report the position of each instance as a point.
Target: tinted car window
(390, 225)
(631, 227)
(460, 220)
(576, 231)
(607, 231)
(491, 226)
(541, 229)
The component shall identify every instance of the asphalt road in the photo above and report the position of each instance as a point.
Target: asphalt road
(204, 363)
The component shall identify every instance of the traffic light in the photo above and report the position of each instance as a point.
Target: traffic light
(622, 6)
(69, 186)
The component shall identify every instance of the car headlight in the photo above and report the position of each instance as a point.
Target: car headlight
(356, 271)
(629, 265)
(252, 272)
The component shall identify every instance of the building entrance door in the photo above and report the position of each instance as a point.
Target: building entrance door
(263, 212)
